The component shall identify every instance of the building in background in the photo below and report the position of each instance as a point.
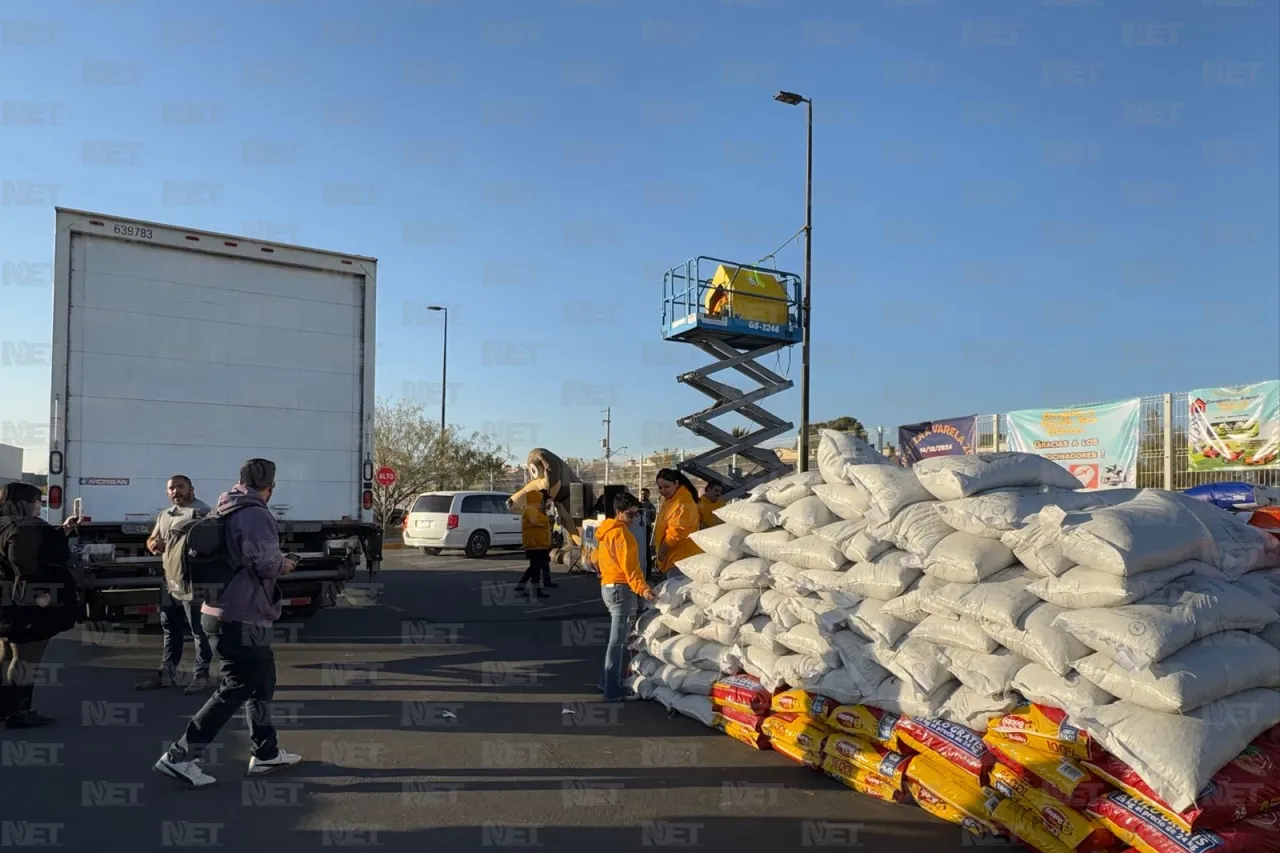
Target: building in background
(10, 463)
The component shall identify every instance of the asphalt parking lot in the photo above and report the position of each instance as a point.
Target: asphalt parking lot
(434, 710)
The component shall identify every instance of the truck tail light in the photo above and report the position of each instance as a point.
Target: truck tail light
(367, 500)
(55, 497)
(452, 523)
(404, 521)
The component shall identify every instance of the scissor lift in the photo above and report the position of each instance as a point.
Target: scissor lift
(737, 342)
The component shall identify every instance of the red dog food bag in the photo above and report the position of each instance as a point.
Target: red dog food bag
(744, 692)
(755, 722)
(1149, 830)
(956, 745)
(1249, 785)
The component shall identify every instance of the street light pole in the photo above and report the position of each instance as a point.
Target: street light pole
(793, 99)
(444, 366)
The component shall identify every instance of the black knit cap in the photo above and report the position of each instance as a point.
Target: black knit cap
(258, 474)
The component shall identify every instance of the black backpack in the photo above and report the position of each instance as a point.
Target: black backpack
(196, 559)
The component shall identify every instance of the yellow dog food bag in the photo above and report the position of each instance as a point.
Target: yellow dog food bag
(1022, 823)
(1065, 824)
(862, 780)
(1063, 775)
(870, 756)
(797, 729)
(865, 721)
(803, 702)
(949, 794)
(812, 760)
(739, 732)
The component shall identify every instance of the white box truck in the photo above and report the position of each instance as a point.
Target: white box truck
(178, 351)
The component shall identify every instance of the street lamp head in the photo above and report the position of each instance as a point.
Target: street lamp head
(790, 98)
(436, 308)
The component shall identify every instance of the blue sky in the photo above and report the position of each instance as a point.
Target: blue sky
(1017, 204)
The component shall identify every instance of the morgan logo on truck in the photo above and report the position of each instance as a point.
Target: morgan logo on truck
(104, 481)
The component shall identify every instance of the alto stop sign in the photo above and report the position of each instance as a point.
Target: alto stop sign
(385, 476)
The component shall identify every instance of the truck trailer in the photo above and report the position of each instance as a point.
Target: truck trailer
(177, 351)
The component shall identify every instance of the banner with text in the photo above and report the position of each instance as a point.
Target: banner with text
(1235, 428)
(1099, 444)
(947, 437)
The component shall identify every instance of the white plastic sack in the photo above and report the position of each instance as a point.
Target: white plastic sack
(671, 677)
(1265, 586)
(811, 552)
(813, 610)
(795, 670)
(949, 478)
(788, 490)
(760, 631)
(900, 697)
(717, 657)
(887, 576)
(768, 545)
(785, 578)
(847, 502)
(972, 709)
(718, 632)
(1241, 547)
(1036, 548)
(698, 682)
(913, 661)
(641, 686)
(704, 594)
(910, 606)
(954, 631)
(857, 662)
(840, 600)
(1079, 588)
(754, 517)
(680, 650)
(1044, 687)
(1138, 635)
(1036, 638)
(734, 608)
(747, 573)
(838, 449)
(866, 546)
(811, 582)
(808, 640)
(992, 514)
(805, 516)
(869, 620)
(665, 696)
(838, 684)
(702, 568)
(917, 529)
(965, 558)
(887, 488)
(1003, 597)
(723, 541)
(1204, 671)
(760, 662)
(778, 608)
(672, 593)
(652, 626)
(646, 664)
(1152, 531)
(988, 675)
(696, 707)
(838, 533)
(1271, 634)
(1177, 754)
(686, 619)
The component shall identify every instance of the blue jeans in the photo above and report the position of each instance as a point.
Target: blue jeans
(248, 679)
(621, 602)
(176, 617)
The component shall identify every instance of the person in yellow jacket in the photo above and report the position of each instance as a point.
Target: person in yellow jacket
(712, 499)
(535, 531)
(677, 518)
(617, 556)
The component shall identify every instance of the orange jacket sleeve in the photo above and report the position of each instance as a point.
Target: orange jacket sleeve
(626, 553)
(683, 520)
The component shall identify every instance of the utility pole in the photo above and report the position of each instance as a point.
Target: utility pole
(605, 442)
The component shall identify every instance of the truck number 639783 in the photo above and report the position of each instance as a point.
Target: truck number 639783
(131, 231)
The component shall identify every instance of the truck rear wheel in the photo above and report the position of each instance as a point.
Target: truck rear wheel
(431, 552)
(478, 544)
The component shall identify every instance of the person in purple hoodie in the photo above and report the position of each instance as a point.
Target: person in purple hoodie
(240, 625)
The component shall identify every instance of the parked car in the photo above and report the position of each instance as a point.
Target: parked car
(471, 521)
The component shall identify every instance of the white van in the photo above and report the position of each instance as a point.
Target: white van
(471, 521)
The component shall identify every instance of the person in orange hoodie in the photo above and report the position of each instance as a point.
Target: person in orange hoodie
(535, 531)
(617, 556)
(678, 517)
(712, 499)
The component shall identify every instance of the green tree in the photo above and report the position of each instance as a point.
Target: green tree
(408, 439)
(844, 423)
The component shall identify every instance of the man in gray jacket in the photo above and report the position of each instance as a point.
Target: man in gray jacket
(240, 625)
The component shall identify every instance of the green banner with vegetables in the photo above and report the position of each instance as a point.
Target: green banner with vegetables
(1235, 428)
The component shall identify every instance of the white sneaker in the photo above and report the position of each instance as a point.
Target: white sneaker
(187, 772)
(282, 760)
